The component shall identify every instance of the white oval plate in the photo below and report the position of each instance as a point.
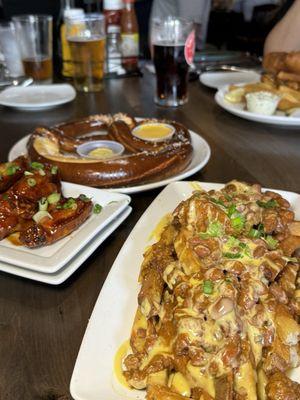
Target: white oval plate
(238, 109)
(216, 80)
(37, 97)
(111, 321)
(201, 155)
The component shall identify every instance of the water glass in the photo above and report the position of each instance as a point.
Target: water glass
(10, 49)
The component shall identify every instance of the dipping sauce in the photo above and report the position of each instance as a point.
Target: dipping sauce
(154, 132)
(264, 103)
(101, 153)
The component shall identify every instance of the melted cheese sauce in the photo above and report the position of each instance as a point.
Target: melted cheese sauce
(157, 231)
(154, 131)
(101, 153)
(122, 352)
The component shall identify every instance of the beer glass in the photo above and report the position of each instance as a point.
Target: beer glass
(34, 34)
(172, 40)
(86, 38)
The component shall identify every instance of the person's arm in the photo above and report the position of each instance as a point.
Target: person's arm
(285, 34)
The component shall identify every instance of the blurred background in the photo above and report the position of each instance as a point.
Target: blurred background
(229, 24)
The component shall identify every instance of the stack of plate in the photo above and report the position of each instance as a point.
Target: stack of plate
(53, 264)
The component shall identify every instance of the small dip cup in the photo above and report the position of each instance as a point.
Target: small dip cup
(154, 131)
(262, 102)
(85, 149)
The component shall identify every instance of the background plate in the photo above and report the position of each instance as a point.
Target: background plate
(216, 80)
(37, 97)
(93, 377)
(238, 109)
(200, 158)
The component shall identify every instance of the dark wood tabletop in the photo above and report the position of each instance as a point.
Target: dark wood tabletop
(41, 326)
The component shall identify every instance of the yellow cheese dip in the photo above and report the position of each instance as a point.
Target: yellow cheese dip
(122, 352)
(153, 131)
(101, 152)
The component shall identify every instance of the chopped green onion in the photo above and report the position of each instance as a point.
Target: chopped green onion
(232, 255)
(97, 208)
(42, 172)
(257, 233)
(216, 201)
(53, 198)
(233, 242)
(268, 204)
(228, 280)
(231, 210)
(215, 229)
(27, 173)
(227, 197)
(84, 198)
(31, 182)
(291, 259)
(12, 169)
(69, 204)
(54, 170)
(40, 215)
(208, 287)
(238, 222)
(36, 165)
(43, 204)
(5, 196)
(243, 245)
(271, 242)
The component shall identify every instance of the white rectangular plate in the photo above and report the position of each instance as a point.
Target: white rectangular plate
(60, 276)
(112, 318)
(49, 259)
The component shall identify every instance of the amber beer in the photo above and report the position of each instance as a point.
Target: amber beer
(88, 56)
(39, 68)
(171, 73)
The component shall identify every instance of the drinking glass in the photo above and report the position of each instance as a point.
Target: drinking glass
(34, 33)
(173, 42)
(86, 38)
(10, 49)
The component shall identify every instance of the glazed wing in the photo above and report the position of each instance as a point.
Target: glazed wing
(20, 201)
(10, 172)
(218, 306)
(61, 222)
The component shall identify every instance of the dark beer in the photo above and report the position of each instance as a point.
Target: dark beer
(171, 74)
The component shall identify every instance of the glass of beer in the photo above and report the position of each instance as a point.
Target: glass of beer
(86, 38)
(34, 34)
(172, 40)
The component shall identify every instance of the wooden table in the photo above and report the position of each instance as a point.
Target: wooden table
(41, 327)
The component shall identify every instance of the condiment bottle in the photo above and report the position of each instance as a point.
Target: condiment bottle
(130, 37)
(112, 10)
(67, 65)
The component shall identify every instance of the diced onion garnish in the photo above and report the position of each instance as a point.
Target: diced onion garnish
(53, 198)
(31, 182)
(43, 204)
(40, 215)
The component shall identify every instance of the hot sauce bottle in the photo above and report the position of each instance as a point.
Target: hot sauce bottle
(129, 37)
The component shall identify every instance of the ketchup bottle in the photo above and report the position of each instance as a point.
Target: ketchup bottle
(129, 37)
